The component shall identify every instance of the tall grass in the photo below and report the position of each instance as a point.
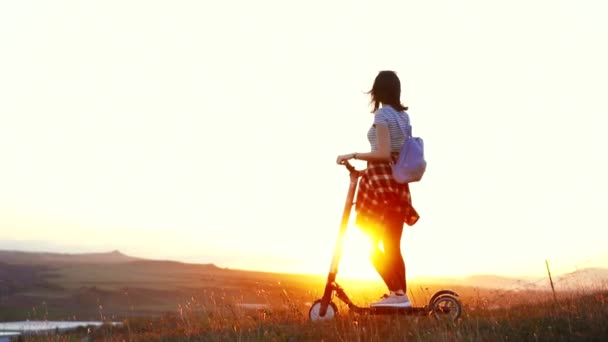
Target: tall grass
(575, 316)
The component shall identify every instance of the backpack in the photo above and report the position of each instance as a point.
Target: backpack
(410, 165)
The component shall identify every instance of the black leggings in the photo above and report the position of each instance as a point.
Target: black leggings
(389, 262)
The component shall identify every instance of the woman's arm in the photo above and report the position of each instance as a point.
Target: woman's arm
(382, 154)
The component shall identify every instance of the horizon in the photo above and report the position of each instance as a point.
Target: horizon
(208, 132)
(348, 276)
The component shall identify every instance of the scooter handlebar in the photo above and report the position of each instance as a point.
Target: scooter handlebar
(349, 166)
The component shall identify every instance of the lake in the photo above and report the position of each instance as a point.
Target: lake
(34, 327)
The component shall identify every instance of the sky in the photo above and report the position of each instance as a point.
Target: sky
(208, 131)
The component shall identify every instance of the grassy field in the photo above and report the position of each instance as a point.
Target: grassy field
(166, 301)
(574, 317)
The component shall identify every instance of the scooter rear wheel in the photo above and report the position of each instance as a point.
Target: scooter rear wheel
(446, 306)
(313, 312)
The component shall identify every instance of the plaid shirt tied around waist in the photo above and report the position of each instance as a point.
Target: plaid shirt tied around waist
(379, 194)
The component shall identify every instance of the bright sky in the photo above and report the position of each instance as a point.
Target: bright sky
(208, 131)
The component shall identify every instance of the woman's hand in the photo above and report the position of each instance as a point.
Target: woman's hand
(345, 157)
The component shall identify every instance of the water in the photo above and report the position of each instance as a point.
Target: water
(31, 327)
(8, 336)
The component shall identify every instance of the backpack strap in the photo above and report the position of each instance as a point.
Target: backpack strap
(408, 128)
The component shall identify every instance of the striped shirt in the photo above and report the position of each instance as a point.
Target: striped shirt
(388, 116)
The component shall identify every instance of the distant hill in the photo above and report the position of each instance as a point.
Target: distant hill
(34, 258)
(64, 286)
(583, 278)
(500, 282)
(580, 279)
(487, 281)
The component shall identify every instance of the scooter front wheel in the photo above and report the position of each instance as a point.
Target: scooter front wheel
(315, 308)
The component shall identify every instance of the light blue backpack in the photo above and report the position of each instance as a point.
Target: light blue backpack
(410, 165)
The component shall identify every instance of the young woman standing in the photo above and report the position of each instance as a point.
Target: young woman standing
(382, 204)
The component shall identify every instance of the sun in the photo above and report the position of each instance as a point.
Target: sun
(355, 263)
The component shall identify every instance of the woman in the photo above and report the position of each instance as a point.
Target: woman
(382, 204)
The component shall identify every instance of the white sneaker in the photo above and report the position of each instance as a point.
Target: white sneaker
(393, 300)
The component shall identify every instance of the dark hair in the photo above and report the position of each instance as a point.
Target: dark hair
(386, 89)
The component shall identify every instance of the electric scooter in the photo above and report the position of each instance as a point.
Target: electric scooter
(443, 304)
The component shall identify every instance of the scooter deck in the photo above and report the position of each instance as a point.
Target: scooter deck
(391, 310)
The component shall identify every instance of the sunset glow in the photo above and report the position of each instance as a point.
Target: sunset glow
(207, 131)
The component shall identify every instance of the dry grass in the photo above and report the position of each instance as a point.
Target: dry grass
(576, 316)
(206, 304)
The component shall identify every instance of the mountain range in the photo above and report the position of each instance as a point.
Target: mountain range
(34, 258)
(587, 278)
(579, 279)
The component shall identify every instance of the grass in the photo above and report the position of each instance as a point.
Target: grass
(574, 317)
(180, 302)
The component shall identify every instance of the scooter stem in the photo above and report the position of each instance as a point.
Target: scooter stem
(333, 269)
(350, 198)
